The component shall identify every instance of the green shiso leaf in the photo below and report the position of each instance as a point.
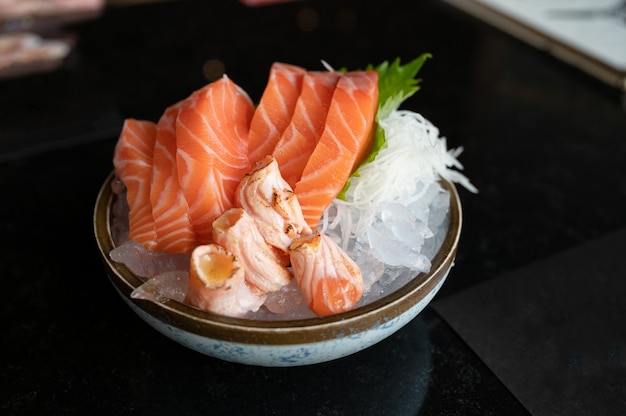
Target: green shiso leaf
(396, 83)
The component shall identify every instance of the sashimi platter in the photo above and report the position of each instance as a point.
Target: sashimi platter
(290, 230)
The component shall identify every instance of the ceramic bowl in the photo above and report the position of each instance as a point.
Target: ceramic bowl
(281, 343)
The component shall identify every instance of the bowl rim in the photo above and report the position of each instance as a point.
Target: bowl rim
(277, 332)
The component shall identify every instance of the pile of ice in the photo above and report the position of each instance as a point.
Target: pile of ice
(399, 242)
(395, 208)
(391, 222)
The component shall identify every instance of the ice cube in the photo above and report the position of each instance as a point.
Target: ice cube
(287, 297)
(371, 268)
(395, 253)
(284, 304)
(399, 224)
(147, 263)
(168, 285)
(439, 210)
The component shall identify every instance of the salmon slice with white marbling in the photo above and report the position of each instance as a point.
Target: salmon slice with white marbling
(132, 160)
(346, 140)
(170, 210)
(275, 109)
(307, 124)
(212, 155)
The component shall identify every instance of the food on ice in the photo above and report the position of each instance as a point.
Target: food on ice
(313, 185)
(269, 199)
(216, 283)
(330, 281)
(264, 266)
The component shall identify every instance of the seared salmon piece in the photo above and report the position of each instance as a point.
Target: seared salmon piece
(330, 281)
(268, 198)
(264, 266)
(216, 283)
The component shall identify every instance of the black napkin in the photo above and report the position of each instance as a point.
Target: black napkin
(553, 332)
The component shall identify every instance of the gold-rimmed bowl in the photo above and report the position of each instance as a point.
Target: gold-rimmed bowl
(281, 343)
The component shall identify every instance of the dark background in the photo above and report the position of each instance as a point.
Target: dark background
(543, 142)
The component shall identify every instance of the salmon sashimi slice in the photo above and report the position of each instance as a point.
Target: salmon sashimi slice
(275, 109)
(345, 141)
(330, 281)
(132, 160)
(212, 155)
(217, 284)
(263, 265)
(173, 228)
(268, 198)
(307, 124)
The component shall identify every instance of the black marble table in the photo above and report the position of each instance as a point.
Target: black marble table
(544, 143)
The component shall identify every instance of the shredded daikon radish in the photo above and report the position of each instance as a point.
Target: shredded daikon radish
(414, 157)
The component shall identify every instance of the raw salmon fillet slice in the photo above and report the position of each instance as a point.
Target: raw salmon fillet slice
(212, 155)
(275, 109)
(170, 210)
(345, 141)
(307, 124)
(132, 159)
